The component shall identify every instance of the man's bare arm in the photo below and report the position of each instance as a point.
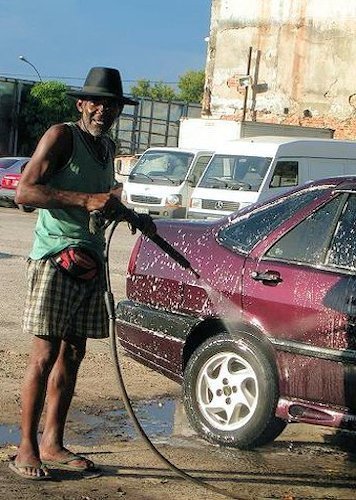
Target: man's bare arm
(52, 153)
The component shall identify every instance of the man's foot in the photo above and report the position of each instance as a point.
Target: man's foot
(66, 460)
(31, 471)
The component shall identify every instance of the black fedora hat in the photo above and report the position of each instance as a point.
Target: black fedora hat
(102, 82)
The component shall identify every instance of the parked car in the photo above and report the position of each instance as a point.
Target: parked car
(267, 335)
(10, 172)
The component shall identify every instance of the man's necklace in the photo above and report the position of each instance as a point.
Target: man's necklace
(98, 146)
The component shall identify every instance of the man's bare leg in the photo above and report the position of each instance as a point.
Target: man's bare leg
(42, 357)
(60, 390)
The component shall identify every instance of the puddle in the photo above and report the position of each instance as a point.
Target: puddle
(158, 418)
(9, 434)
(6, 255)
(155, 416)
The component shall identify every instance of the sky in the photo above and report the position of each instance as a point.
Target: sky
(157, 40)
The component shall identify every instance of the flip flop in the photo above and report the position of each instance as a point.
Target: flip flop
(17, 469)
(65, 464)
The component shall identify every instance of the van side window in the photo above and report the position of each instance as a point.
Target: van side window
(285, 174)
(198, 169)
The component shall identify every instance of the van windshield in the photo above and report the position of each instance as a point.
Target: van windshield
(161, 167)
(236, 172)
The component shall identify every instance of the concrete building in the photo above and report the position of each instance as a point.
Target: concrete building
(283, 61)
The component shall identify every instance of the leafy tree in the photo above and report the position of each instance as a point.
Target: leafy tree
(141, 89)
(162, 92)
(191, 86)
(44, 104)
(158, 92)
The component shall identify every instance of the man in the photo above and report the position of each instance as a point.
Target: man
(69, 175)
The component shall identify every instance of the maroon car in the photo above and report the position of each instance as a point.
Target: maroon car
(267, 334)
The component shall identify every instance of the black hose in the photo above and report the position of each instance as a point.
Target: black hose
(110, 306)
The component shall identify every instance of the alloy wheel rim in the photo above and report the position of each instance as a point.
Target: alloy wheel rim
(227, 391)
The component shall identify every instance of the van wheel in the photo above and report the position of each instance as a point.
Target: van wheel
(230, 392)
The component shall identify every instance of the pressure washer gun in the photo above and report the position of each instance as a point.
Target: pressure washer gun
(136, 221)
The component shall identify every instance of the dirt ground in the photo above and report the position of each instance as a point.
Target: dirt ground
(303, 464)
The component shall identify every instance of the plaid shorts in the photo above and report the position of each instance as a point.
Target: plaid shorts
(59, 306)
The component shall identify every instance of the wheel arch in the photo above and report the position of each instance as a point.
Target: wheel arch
(211, 327)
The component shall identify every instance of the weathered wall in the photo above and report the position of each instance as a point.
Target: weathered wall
(303, 53)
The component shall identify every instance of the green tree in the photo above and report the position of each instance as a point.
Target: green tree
(191, 86)
(43, 105)
(159, 91)
(141, 89)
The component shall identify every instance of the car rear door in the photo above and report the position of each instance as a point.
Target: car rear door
(300, 285)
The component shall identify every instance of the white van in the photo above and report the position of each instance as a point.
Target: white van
(162, 181)
(252, 170)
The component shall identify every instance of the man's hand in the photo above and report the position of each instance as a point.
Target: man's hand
(97, 201)
(114, 209)
(146, 225)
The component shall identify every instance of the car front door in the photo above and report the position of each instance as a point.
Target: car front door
(301, 288)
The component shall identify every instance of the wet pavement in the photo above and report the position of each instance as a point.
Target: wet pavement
(300, 465)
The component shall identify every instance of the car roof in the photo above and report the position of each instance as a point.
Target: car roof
(15, 158)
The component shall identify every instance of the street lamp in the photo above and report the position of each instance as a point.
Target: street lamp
(23, 58)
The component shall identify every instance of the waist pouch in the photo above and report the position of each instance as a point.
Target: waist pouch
(76, 262)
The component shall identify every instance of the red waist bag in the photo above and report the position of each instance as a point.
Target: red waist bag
(77, 263)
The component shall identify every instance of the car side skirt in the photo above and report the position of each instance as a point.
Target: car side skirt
(301, 411)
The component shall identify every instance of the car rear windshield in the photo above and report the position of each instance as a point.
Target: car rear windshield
(236, 172)
(244, 233)
(8, 162)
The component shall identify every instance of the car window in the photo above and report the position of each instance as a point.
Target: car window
(244, 233)
(199, 168)
(308, 241)
(6, 163)
(343, 246)
(285, 174)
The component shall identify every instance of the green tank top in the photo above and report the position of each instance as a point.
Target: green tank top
(58, 228)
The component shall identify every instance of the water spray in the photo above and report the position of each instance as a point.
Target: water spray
(97, 221)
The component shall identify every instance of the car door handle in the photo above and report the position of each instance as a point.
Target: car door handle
(269, 277)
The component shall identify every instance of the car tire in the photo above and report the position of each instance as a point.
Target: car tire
(25, 208)
(230, 392)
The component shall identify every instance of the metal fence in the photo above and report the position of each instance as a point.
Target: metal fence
(150, 123)
(10, 101)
